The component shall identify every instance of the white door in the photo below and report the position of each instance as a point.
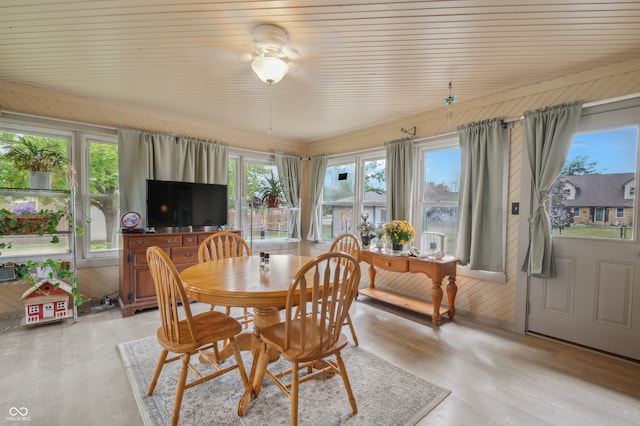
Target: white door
(47, 310)
(594, 300)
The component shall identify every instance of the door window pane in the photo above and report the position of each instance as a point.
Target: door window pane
(594, 195)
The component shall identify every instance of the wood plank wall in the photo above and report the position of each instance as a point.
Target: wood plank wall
(487, 301)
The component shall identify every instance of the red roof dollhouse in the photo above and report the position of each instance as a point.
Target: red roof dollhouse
(43, 302)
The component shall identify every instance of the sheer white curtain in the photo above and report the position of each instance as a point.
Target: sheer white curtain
(318, 170)
(548, 135)
(399, 167)
(289, 173)
(481, 202)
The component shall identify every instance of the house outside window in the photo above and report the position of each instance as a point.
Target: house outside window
(600, 175)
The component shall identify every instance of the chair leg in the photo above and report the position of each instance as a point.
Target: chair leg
(156, 374)
(347, 384)
(352, 329)
(294, 393)
(182, 379)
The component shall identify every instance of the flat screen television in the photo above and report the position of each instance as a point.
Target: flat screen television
(181, 204)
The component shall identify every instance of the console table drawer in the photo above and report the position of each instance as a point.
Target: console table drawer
(393, 265)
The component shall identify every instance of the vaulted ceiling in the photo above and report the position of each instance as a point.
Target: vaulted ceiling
(354, 64)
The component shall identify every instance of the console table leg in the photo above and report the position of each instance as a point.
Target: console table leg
(372, 276)
(436, 299)
(452, 289)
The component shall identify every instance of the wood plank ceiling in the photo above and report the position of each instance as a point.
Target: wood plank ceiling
(356, 64)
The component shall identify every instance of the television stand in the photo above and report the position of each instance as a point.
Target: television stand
(137, 289)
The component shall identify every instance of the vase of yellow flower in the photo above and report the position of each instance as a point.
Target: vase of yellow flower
(400, 232)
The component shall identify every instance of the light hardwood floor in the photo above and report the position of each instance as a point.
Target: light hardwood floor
(71, 374)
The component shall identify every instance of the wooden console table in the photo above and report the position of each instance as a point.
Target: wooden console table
(434, 269)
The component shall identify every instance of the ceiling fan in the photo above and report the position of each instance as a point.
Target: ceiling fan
(272, 61)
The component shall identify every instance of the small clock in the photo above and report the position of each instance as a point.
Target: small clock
(130, 220)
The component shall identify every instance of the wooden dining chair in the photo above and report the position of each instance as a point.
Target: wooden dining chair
(193, 334)
(221, 245)
(348, 243)
(323, 289)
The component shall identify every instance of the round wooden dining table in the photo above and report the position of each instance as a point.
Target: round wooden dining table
(241, 282)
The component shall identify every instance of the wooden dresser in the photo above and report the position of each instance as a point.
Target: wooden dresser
(137, 290)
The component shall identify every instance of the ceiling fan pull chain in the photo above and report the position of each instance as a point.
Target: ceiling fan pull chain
(270, 112)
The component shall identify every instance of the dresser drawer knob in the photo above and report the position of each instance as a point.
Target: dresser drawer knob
(189, 253)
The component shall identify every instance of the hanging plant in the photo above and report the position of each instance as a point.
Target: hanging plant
(27, 221)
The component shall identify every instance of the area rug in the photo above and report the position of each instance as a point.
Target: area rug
(385, 394)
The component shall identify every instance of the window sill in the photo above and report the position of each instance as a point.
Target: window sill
(496, 277)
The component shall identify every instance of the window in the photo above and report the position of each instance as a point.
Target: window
(374, 201)
(12, 177)
(338, 199)
(103, 198)
(438, 192)
(619, 213)
(267, 215)
(92, 153)
(353, 185)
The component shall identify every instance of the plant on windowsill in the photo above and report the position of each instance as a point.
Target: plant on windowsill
(271, 192)
(40, 158)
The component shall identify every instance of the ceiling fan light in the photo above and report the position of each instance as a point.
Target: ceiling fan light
(269, 69)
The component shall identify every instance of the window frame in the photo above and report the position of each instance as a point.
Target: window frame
(242, 159)
(441, 142)
(84, 197)
(75, 132)
(358, 159)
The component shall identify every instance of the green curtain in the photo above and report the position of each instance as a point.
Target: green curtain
(141, 156)
(483, 148)
(399, 168)
(167, 158)
(548, 134)
(318, 170)
(202, 161)
(289, 173)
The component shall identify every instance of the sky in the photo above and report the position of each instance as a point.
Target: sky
(614, 151)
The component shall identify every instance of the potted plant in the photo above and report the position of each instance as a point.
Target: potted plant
(271, 191)
(40, 158)
(28, 220)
